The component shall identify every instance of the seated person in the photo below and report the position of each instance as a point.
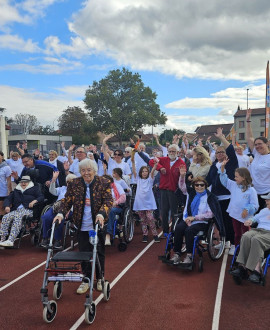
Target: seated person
(253, 245)
(201, 206)
(119, 198)
(47, 218)
(19, 203)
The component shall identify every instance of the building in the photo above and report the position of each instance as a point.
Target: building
(4, 129)
(257, 124)
(205, 131)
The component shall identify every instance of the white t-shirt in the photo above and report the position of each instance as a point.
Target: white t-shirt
(164, 151)
(16, 166)
(5, 172)
(74, 167)
(119, 189)
(121, 183)
(260, 172)
(144, 199)
(87, 222)
(62, 159)
(112, 164)
(263, 219)
(243, 160)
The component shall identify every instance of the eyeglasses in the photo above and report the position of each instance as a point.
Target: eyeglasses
(199, 185)
(126, 151)
(220, 152)
(79, 152)
(172, 151)
(117, 154)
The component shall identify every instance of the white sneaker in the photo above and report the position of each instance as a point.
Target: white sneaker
(232, 250)
(108, 239)
(99, 285)
(184, 248)
(227, 245)
(7, 243)
(83, 288)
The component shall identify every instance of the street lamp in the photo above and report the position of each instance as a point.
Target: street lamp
(247, 97)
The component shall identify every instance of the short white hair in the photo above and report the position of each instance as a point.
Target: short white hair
(173, 146)
(70, 177)
(86, 163)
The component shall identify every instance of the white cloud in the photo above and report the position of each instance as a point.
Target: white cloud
(47, 107)
(9, 14)
(36, 7)
(75, 91)
(14, 42)
(182, 38)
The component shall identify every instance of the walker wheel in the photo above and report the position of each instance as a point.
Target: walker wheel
(47, 315)
(200, 266)
(106, 291)
(122, 246)
(90, 313)
(57, 290)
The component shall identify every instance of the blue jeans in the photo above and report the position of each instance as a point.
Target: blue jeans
(112, 214)
(47, 220)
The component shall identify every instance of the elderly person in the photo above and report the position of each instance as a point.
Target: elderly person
(260, 166)
(200, 207)
(169, 175)
(15, 163)
(80, 155)
(201, 162)
(91, 198)
(5, 181)
(253, 245)
(61, 180)
(18, 204)
(222, 193)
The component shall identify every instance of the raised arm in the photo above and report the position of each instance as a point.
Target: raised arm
(157, 141)
(219, 134)
(249, 133)
(154, 168)
(105, 147)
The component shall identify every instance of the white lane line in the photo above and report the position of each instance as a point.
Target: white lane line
(216, 316)
(2, 288)
(118, 277)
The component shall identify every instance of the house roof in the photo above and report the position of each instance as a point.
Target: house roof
(242, 113)
(211, 129)
(143, 137)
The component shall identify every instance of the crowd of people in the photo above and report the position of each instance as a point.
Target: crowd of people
(201, 180)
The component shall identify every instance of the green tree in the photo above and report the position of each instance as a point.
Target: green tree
(28, 123)
(76, 122)
(168, 134)
(45, 130)
(121, 104)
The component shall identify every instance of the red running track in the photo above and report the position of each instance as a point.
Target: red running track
(149, 295)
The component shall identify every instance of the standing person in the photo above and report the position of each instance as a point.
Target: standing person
(222, 193)
(243, 202)
(260, 166)
(53, 159)
(5, 182)
(145, 202)
(80, 155)
(91, 198)
(16, 165)
(169, 176)
(201, 162)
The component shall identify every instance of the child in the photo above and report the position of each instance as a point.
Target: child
(117, 174)
(144, 200)
(243, 202)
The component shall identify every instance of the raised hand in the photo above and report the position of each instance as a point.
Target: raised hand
(248, 114)
(219, 132)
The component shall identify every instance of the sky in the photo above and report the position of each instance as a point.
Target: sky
(200, 57)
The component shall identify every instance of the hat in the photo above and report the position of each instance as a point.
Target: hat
(25, 178)
(266, 196)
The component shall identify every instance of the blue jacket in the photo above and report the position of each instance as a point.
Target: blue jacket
(16, 198)
(213, 177)
(45, 171)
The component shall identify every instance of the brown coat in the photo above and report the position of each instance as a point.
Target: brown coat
(100, 196)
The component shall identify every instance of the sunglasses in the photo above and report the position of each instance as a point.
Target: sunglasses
(117, 154)
(220, 152)
(199, 185)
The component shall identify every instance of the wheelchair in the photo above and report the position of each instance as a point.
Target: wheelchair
(204, 241)
(265, 265)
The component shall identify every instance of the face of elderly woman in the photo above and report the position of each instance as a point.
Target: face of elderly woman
(199, 186)
(87, 174)
(52, 155)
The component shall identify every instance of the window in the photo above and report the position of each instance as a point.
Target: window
(262, 122)
(241, 124)
(261, 133)
(241, 136)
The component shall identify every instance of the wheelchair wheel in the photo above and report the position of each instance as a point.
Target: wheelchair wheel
(128, 225)
(90, 313)
(214, 239)
(106, 291)
(57, 290)
(200, 265)
(122, 246)
(35, 239)
(49, 316)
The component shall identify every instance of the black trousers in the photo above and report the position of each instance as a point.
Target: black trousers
(261, 201)
(85, 246)
(227, 220)
(181, 230)
(169, 202)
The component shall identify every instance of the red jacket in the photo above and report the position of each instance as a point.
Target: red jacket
(168, 181)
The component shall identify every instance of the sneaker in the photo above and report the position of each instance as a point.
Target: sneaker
(240, 272)
(57, 244)
(44, 243)
(156, 239)
(227, 245)
(255, 277)
(108, 240)
(184, 248)
(2, 239)
(187, 260)
(232, 250)
(175, 259)
(7, 243)
(99, 285)
(145, 239)
(83, 288)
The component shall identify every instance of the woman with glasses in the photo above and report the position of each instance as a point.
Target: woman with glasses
(201, 206)
(201, 162)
